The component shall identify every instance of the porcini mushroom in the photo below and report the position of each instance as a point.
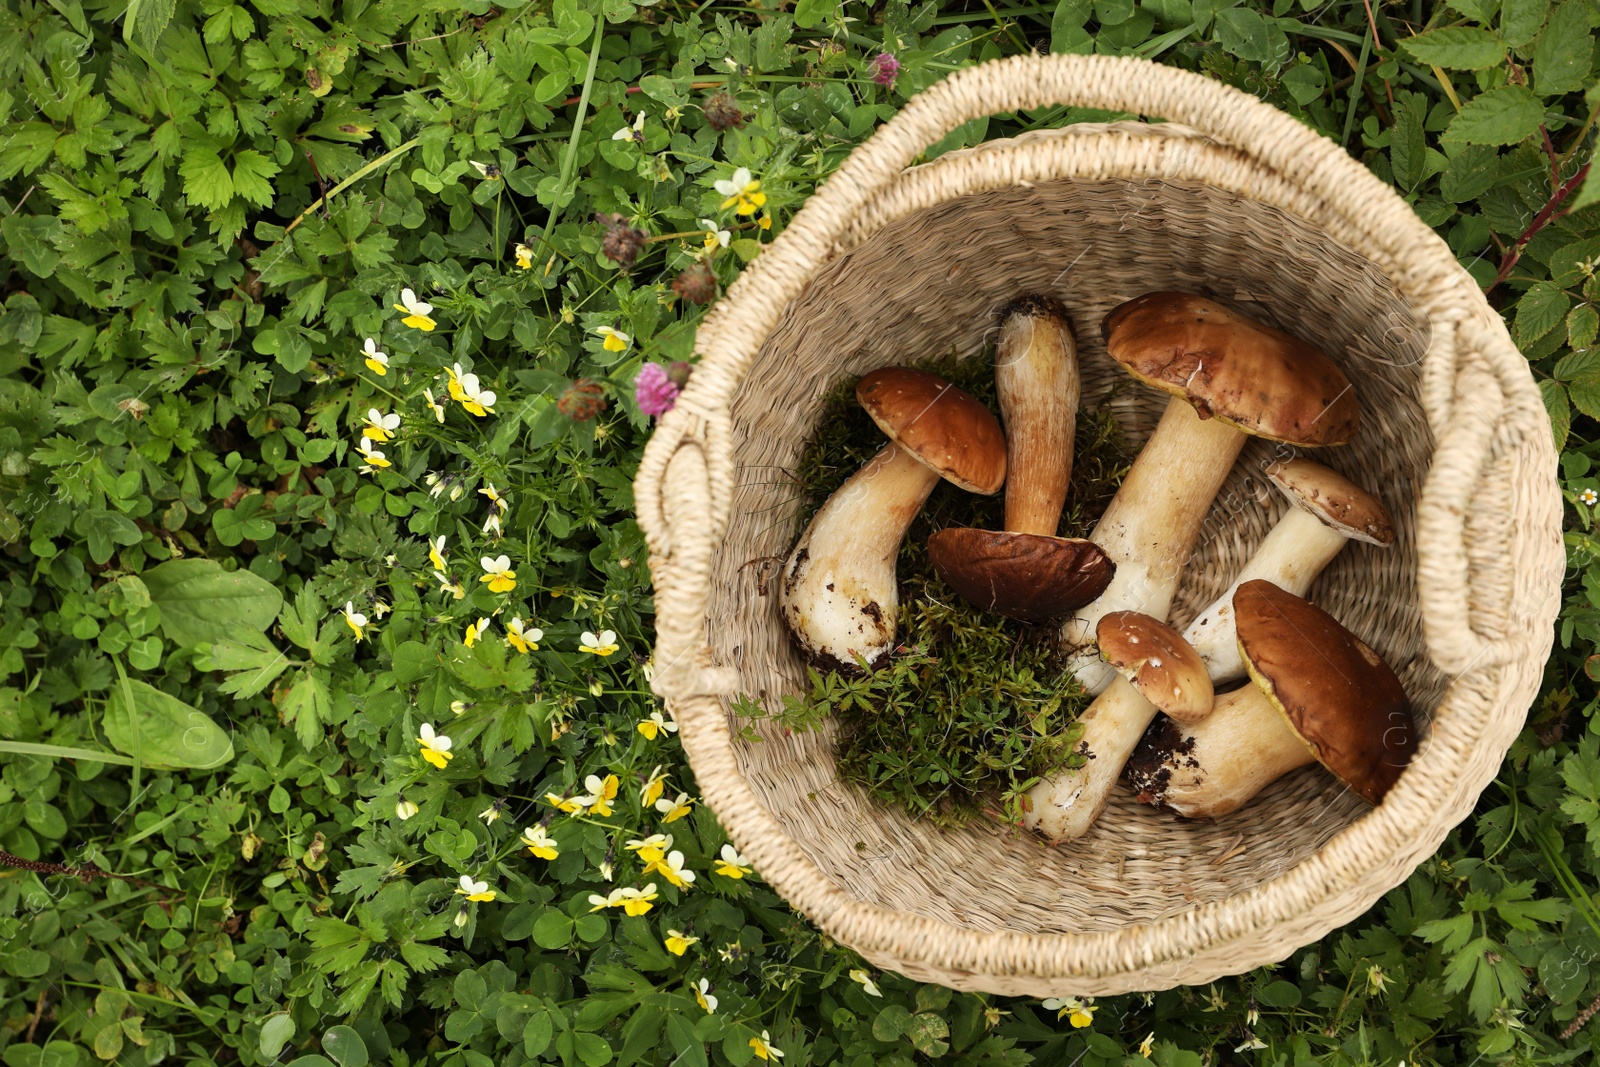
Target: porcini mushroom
(1229, 377)
(1318, 694)
(1329, 511)
(1025, 571)
(839, 594)
(1159, 672)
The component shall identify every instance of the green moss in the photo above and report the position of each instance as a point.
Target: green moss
(976, 706)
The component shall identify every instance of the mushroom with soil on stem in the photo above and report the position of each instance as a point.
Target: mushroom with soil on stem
(1319, 694)
(839, 593)
(1230, 377)
(1159, 672)
(1025, 571)
(1329, 511)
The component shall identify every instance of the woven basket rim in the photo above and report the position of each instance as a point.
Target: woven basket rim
(1277, 159)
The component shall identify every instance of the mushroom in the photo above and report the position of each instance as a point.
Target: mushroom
(1230, 377)
(839, 594)
(1160, 672)
(1026, 572)
(1329, 510)
(1319, 694)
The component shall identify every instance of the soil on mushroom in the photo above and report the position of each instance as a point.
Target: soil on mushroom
(976, 705)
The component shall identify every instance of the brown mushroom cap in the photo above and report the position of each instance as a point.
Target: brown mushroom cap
(1334, 499)
(1336, 693)
(948, 430)
(1261, 380)
(1165, 668)
(1022, 576)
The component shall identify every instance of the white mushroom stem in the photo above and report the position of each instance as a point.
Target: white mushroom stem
(839, 590)
(1241, 748)
(1151, 526)
(1291, 557)
(1036, 381)
(1067, 803)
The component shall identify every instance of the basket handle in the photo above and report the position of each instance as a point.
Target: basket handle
(677, 500)
(1473, 398)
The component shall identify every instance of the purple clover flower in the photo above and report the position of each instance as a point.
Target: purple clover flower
(656, 393)
(885, 69)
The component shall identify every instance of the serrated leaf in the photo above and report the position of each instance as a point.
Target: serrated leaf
(1507, 115)
(205, 179)
(309, 706)
(1520, 20)
(1582, 326)
(1554, 395)
(1456, 48)
(1565, 50)
(1540, 309)
(252, 176)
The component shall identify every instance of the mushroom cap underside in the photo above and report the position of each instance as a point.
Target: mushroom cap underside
(1334, 499)
(1032, 577)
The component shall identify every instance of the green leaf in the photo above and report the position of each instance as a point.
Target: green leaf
(810, 13)
(1507, 115)
(276, 1032)
(1582, 326)
(892, 1021)
(163, 731)
(1456, 48)
(1247, 34)
(105, 530)
(1556, 406)
(147, 20)
(1470, 173)
(1562, 58)
(205, 178)
(201, 602)
(928, 1034)
(1574, 263)
(1540, 309)
(247, 651)
(552, 930)
(345, 1047)
(309, 705)
(252, 176)
(1520, 20)
(1280, 994)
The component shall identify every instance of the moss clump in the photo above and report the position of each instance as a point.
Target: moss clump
(978, 706)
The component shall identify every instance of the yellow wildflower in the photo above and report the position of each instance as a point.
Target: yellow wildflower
(1079, 1011)
(355, 620)
(497, 574)
(672, 869)
(474, 890)
(434, 406)
(570, 805)
(702, 993)
(656, 725)
(450, 586)
(540, 843)
(615, 340)
(601, 793)
(435, 747)
(650, 848)
(380, 427)
(377, 362)
(637, 901)
(436, 552)
(678, 942)
(743, 192)
(866, 982)
(523, 639)
(732, 865)
(404, 809)
(524, 257)
(653, 787)
(763, 1047)
(474, 631)
(674, 809)
(418, 312)
(375, 460)
(603, 644)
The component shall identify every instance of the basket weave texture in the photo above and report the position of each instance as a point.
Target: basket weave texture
(1229, 198)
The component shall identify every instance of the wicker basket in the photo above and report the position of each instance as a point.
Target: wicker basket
(887, 264)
